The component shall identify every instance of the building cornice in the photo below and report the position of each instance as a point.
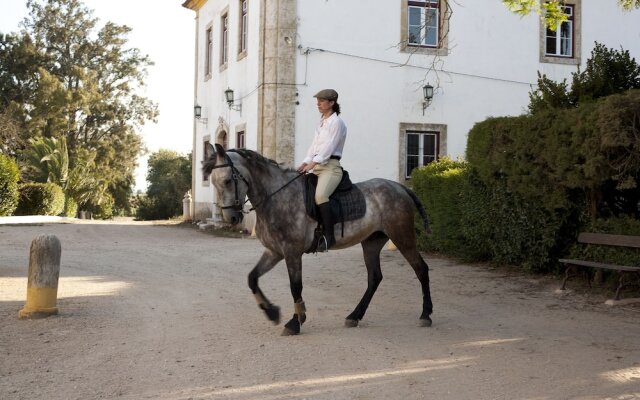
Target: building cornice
(194, 5)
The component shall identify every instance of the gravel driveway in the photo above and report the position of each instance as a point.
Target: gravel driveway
(164, 312)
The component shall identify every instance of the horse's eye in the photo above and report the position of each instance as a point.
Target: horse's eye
(227, 182)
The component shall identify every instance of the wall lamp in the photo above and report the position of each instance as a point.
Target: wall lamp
(228, 94)
(197, 113)
(427, 94)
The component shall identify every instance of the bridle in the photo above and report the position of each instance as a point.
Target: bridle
(238, 205)
(236, 176)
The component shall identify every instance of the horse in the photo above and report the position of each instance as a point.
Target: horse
(286, 231)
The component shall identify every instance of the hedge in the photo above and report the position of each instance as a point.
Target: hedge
(40, 199)
(9, 177)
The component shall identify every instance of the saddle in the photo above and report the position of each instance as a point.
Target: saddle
(347, 202)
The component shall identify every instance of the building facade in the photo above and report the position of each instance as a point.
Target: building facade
(480, 59)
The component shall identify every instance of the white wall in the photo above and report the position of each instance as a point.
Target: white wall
(353, 47)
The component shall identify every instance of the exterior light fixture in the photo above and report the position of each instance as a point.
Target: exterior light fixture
(228, 95)
(427, 94)
(197, 113)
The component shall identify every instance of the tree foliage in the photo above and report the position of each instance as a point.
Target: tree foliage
(9, 178)
(608, 71)
(169, 177)
(551, 11)
(64, 76)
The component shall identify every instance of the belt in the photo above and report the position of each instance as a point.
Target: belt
(335, 158)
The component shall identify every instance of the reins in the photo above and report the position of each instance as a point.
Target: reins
(235, 175)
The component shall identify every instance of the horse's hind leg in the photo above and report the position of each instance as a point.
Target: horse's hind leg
(410, 252)
(371, 247)
(265, 264)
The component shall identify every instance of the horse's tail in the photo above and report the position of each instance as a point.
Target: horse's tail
(420, 207)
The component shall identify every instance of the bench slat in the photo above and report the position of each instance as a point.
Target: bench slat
(609, 239)
(594, 264)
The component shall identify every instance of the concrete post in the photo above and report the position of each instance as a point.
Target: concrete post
(186, 206)
(44, 271)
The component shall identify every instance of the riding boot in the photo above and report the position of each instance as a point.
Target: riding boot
(328, 239)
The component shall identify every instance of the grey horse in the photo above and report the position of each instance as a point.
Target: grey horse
(285, 230)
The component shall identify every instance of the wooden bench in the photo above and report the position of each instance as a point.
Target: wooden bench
(603, 239)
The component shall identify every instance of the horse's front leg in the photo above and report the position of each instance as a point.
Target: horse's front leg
(294, 267)
(268, 260)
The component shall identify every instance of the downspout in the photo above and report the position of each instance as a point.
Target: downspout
(260, 136)
(195, 99)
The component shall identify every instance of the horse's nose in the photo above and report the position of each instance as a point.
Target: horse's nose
(235, 220)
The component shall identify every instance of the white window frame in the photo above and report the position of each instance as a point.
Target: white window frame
(421, 155)
(208, 58)
(428, 10)
(224, 39)
(244, 27)
(561, 49)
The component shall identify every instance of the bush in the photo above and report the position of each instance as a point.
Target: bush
(70, 207)
(9, 177)
(439, 186)
(40, 199)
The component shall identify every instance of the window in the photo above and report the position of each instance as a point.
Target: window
(422, 148)
(208, 52)
(419, 144)
(423, 23)
(205, 177)
(224, 40)
(240, 140)
(560, 42)
(564, 45)
(244, 25)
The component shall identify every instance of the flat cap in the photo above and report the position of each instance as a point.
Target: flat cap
(327, 94)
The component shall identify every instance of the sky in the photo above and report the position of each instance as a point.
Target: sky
(165, 31)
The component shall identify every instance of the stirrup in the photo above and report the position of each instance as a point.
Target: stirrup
(322, 245)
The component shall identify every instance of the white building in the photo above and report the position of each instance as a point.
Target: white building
(481, 59)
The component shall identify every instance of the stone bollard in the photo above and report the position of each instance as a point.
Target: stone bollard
(186, 206)
(42, 285)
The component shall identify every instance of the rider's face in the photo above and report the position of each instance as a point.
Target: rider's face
(325, 106)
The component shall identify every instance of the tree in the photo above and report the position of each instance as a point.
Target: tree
(608, 72)
(169, 177)
(551, 11)
(62, 76)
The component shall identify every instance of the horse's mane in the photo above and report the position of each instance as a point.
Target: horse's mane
(256, 158)
(253, 157)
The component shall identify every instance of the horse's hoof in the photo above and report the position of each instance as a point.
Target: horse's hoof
(425, 322)
(292, 327)
(273, 313)
(351, 323)
(288, 332)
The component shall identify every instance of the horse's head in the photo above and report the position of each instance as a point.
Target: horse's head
(228, 179)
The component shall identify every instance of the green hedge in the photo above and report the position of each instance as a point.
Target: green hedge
(477, 222)
(9, 177)
(40, 199)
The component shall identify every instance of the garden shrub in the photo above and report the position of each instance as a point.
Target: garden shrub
(70, 207)
(40, 199)
(439, 185)
(9, 177)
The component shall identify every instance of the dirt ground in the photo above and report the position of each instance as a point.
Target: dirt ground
(164, 312)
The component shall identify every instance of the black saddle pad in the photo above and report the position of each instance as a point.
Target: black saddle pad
(347, 202)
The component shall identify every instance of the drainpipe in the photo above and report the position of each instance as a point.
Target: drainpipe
(195, 99)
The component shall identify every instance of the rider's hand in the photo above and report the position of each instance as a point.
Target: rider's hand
(301, 167)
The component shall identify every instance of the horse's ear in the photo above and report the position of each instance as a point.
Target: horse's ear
(220, 150)
(209, 152)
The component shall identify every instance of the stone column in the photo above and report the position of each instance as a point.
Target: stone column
(44, 271)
